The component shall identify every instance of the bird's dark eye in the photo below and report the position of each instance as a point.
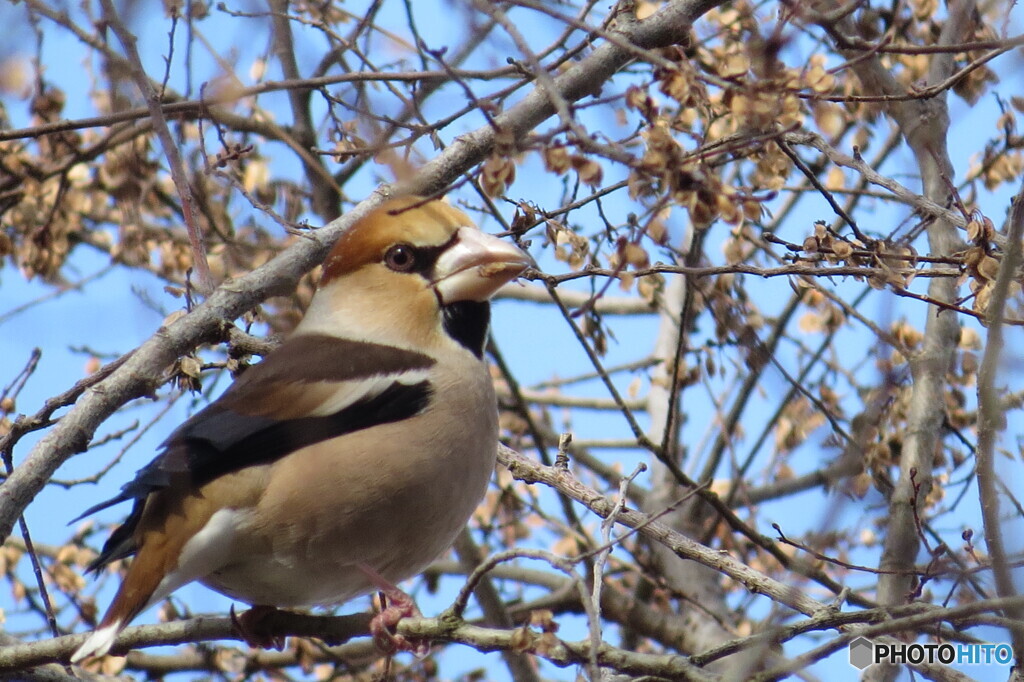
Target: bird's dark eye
(400, 258)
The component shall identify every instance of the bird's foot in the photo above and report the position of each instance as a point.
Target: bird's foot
(248, 626)
(396, 605)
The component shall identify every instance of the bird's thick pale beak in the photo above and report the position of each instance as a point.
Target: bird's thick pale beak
(476, 265)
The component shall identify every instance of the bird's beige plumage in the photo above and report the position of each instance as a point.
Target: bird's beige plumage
(355, 452)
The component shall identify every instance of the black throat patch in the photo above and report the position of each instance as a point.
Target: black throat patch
(467, 322)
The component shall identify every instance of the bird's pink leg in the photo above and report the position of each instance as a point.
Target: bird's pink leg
(395, 605)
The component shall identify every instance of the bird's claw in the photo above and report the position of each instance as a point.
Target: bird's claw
(249, 623)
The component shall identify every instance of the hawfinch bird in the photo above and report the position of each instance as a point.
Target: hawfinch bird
(351, 456)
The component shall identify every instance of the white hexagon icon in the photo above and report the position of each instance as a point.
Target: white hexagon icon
(862, 653)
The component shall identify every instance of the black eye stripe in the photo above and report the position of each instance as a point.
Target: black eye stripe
(424, 258)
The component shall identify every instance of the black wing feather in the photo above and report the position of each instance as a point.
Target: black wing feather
(261, 441)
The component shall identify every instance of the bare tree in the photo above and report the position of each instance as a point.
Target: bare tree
(756, 400)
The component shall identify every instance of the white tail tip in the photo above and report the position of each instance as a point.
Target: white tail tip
(99, 642)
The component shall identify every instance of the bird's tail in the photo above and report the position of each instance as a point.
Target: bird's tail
(135, 594)
(99, 642)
